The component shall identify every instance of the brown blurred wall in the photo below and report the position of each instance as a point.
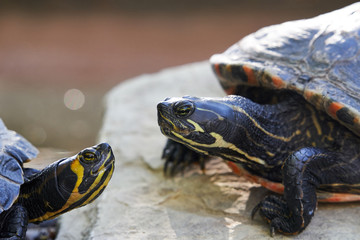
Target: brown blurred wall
(49, 47)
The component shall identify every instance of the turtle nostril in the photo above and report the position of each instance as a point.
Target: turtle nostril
(163, 106)
(160, 106)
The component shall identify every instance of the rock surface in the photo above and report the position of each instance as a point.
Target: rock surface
(140, 203)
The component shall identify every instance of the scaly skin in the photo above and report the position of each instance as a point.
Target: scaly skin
(288, 142)
(61, 187)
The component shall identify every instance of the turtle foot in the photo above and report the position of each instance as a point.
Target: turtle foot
(14, 223)
(276, 212)
(178, 158)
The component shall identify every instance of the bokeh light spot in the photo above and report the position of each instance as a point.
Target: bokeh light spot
(74, 99)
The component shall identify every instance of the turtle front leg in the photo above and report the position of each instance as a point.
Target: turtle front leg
(178, 157)
(303, 172)
(14, 223)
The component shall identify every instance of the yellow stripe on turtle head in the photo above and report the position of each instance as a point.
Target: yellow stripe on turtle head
(196, 125)
(96, 193)
(87, 196)
(219, 142)
(78, 169)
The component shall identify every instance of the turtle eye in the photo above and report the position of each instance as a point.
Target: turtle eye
(183, 109)
(88, 157)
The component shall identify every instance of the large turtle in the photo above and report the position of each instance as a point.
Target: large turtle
(30, 195)
(292, 121)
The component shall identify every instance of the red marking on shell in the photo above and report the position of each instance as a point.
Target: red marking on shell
(338, 197)
(308, 94)
(334, 107)
(356, 120)
(250, 75)
(278, 82)
(230, 90)
(217, 69)
(272, 186)
(279, 188)
(234, 167)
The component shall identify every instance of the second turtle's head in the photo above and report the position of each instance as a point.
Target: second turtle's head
(86, 174)
(200, 123)
(76, 181)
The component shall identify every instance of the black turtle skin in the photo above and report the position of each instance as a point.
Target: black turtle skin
(287, 142)
(297, 122)
(55, 190)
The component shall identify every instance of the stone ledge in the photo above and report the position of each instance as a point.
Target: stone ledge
(140, 203)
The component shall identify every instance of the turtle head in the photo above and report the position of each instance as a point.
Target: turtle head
(70, 182)
(199, 123)
(85, 175)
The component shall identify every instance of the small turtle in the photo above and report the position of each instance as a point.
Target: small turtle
(292, 120)
(30, 195)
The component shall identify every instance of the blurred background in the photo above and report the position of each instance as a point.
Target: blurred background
(59, 58)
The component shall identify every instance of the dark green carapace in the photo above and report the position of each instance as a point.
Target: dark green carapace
(291, 122)
(30, 195)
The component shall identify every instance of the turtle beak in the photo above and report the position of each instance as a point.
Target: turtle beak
(163, 106)
(105, 156)
(163, 112)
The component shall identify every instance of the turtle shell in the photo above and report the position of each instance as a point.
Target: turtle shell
(14, 151)
(319, 58)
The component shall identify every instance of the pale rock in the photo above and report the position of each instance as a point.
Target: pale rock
(140, 203)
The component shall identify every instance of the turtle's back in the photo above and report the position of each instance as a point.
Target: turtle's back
(319, 58)
(14, 151)
(12, 140)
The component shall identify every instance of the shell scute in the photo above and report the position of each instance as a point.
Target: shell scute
(14, 151)
(319, 58)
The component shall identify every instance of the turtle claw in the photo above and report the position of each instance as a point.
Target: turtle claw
(202, 163)
(275, 211)
(178, 158)
(272, 231)
(255, 210)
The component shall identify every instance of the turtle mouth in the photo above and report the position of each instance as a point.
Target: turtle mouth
(165, 125)
(170, 125)
(165, 129)
(168, 128)
(109, 162)
(102, 169)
